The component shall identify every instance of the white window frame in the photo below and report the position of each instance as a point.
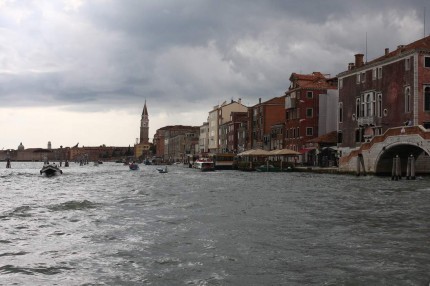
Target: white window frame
(311, 133)
(407, 64)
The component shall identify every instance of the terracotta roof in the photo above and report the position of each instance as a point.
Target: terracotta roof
(423, 43)
(316, 80)
(326, 138)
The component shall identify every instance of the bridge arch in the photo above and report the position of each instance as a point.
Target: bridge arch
(384, 161)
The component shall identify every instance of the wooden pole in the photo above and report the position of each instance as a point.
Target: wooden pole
(393, 169)
(398, 168)
(408, 169)
(412, 167)
(358, 165)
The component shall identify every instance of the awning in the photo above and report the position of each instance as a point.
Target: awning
(255, 152)
(284, 152)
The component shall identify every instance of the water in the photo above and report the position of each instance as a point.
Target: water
(108, 225)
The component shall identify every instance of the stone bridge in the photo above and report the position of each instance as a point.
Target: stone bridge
(378, 154)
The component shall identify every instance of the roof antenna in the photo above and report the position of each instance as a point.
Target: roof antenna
(366, 47)
(424, 22)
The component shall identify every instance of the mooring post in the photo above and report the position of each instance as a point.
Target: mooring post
(7, 163)
(398, 168)
(393, 169)
(408, 169)
(362, 164)
(358, 165)
(412, 167)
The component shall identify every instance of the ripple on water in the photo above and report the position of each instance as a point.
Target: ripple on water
(21, 211)
(73, 205)
(47, 270)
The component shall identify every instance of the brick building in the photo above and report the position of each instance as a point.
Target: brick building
(310, 109)
(165, 135)
(390, 91)
(261, 118)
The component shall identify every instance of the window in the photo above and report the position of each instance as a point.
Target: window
(363, 77)
(427, 98)
(358, 78)
(374, 72)
(298, 132)
(357, 107)
(294, 132)
(340, 83)
(340, 112)
(407, 64)
(380, 72)
(379, 105)
(407, 99)
(309, 131)
(309, 94)
(368, 105)
(427, 62)
(309, 112)
(339, 137)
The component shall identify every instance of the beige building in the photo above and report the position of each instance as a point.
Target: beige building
(219, 115)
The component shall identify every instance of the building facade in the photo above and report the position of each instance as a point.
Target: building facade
(219, 115)
(261, 118)
(390, 91)
(310, 108)
(169, 148)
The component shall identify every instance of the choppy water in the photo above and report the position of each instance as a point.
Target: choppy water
(107, 225)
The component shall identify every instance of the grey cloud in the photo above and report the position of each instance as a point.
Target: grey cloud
(189, 54)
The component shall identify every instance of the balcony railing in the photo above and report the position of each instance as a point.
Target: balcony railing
(369, 120)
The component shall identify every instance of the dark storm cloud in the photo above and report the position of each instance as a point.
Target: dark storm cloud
(186, 54)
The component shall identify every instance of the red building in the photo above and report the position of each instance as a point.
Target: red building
(310, 108)
(261, 118)
(390, 91)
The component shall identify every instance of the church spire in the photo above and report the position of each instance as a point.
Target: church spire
(145, 110)
(144, 126)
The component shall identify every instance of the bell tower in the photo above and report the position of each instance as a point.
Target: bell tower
(144, 126)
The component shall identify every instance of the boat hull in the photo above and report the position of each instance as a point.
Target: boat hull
(50, 170)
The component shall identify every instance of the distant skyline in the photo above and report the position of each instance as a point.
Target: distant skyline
(80, 71)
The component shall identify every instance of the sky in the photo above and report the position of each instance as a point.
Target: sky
(80, 71)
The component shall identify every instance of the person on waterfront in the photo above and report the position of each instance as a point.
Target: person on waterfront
(7, 163)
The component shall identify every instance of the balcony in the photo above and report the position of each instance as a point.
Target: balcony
(365, 121)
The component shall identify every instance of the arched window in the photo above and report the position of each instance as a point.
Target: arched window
(340, 112)
(368, 105)
(357, 107)
(407, 99)
(379, 105)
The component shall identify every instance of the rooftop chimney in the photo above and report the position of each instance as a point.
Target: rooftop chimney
(359, 60)
(387, 50)
(259, 100)
(239, 100)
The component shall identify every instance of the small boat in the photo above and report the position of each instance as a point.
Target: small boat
(162, 170)
(50, 169)
(133, 166)
(204, 164)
